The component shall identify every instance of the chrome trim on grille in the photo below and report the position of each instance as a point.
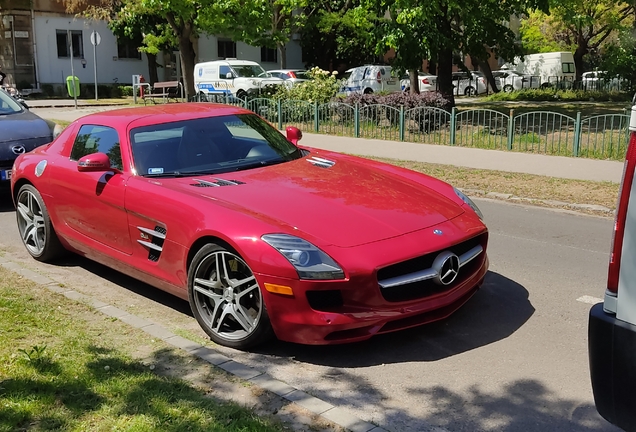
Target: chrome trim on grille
(152, 232)
(150, 245)
(429, 273)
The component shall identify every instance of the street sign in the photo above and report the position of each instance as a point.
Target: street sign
(95, 38)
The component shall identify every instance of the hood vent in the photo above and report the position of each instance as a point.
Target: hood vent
(216, 183)
(320, 162)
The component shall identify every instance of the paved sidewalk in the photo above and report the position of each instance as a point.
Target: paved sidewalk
(552, 166)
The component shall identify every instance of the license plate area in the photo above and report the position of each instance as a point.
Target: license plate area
(5, 174)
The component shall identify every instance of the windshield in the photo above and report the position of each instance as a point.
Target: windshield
(249, 71)
(210, 145)
(8, 105)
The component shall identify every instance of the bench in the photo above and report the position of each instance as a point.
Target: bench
(166, 90)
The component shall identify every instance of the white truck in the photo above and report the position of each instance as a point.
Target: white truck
(231, 77)
(554, 68)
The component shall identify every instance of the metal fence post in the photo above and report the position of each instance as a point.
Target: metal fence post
(279, 109)
(453, 121)
(577, 135)
(511, 128)
(402, 123)
(356, 121)
(316, 119)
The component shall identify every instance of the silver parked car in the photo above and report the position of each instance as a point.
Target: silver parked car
(509, 80)
(469, 84)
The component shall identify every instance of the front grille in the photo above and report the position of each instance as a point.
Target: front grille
(425, 288)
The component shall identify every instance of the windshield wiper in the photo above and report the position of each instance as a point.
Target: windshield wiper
(259, 164)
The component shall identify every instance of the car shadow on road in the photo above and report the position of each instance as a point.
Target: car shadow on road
(495, 312)
(134, 285)
(6, 202)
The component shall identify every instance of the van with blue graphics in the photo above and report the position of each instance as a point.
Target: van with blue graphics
(370, 79)
(231, 77)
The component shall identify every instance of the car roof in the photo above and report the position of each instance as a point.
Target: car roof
(159, 114)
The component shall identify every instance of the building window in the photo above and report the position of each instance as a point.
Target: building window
(129, 48)
(63, 45)
(269, 55)
(227, 48)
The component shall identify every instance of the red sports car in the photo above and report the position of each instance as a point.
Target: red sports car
(262, 236)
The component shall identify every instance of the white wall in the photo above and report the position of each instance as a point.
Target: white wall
(54, 70)
(208, 51)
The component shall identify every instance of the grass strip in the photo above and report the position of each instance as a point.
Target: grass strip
(66, 367)
(531, 186)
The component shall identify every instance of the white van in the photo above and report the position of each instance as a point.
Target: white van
(612, 323)
(554, 68)
(232, 77)
(370, 79)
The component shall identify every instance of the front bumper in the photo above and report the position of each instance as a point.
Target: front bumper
(295, 320)
(612, 351)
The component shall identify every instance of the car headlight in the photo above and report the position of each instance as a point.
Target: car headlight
(309, 261)
(469, 202)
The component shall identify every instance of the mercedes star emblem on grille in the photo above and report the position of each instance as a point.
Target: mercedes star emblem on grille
(18, 149)
(447, 267)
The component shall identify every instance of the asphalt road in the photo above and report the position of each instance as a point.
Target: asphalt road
(512, 359)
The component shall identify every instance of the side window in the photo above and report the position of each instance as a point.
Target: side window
(223, 71)
(97, 139)
(356, 75)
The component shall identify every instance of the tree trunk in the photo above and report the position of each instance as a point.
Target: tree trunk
(581, 50)
(445, 75)
(153, 76)
(187, 55)
(432, 67)
(414, 82)
(485, 68)
(282, 52)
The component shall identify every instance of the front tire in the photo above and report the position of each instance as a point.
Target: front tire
(35, 227)
(470, 91)
(241, 94)
(226, 299)
(508, 88)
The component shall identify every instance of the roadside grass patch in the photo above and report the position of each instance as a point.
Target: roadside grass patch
(65, 367)
(531, 186)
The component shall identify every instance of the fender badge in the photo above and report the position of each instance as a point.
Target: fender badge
(39, 168)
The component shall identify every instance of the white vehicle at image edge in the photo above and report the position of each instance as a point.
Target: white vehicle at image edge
(612, 323)
(232, 77)
(370, 79)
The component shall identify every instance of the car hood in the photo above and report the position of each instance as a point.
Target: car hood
(22, 126)
(346, 204)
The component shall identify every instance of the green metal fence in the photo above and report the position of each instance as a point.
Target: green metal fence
(544, 132)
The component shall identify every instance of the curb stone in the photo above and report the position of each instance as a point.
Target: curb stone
(318, 407)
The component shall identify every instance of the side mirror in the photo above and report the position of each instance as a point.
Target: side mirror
(229, 75)
(23, 103)
(294, 135)
(95, 162)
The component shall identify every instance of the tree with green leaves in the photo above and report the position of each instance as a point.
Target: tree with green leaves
(269, 23)
(337, 34)
(437, 29)
(580, 26)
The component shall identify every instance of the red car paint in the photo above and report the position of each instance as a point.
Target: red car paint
(366, 215)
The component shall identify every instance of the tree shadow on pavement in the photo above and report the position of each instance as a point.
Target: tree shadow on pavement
(495, 312)
(6, 202)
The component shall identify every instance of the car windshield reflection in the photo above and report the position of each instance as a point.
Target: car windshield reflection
(8, 105)
(211, 145)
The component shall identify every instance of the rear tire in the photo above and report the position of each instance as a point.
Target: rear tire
(368, 91)
(226, 299)
(508, 88)
(35, 227)
(470, 91)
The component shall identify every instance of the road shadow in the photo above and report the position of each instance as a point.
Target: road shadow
(6, 202)
(495, 312)
(134, 285)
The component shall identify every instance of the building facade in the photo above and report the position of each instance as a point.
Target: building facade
(40, 44)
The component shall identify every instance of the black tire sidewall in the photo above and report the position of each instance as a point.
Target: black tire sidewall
(263, 331)
(52, 246)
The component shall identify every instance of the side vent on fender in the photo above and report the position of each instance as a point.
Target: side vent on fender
(153, 241)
